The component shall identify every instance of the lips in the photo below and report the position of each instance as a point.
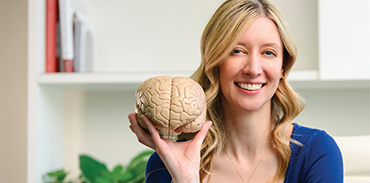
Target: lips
(250, 87)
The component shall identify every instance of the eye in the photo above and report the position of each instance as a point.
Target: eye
(237, 52)
(270, 53)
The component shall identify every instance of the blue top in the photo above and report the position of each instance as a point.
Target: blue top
(318, 160)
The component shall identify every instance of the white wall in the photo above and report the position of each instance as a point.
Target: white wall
(128, 32)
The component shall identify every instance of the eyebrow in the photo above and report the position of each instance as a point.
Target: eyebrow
(241, 44)
(271, 44)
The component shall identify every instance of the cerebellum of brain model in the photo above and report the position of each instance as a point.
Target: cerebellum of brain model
(175, 105)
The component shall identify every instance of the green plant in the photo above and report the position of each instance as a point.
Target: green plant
(94, 171)
(56, 176)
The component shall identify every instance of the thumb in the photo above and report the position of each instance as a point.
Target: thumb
(199, 137)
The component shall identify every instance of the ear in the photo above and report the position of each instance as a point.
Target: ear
(282, 74)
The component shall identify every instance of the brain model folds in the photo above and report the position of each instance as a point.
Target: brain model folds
(174, 105)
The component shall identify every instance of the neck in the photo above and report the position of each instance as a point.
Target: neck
(248, 132)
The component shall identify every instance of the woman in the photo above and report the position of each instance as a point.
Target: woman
(247, 52)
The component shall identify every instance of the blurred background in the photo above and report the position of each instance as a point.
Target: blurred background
(49, 119)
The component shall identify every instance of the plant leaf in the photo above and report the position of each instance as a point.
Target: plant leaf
(126, 177)
(139, 168)
(108, 175)
(139, 171)
(142, 180)
(102, 180)
(57, 175)
(117, 169)
(91, 168)
(143, 156)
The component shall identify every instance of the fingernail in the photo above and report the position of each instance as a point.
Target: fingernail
(130, 118)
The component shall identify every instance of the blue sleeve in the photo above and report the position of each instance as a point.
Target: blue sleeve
(324, 160)
(156, 171)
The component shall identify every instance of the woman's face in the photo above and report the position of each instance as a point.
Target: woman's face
(250, 75)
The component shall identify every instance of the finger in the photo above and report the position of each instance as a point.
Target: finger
(135, 127)
(159, 143)
(201, 134)
(154, 133)
(141, 135)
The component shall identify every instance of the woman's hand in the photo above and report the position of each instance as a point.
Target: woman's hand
(182, 159)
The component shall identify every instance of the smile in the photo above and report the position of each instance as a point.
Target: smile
(250, 87)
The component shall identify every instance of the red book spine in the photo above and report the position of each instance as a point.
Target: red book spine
(51, 58)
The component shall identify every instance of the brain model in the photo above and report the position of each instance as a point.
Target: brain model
(174, 105)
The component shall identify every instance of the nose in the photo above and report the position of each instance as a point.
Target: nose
(252, 66)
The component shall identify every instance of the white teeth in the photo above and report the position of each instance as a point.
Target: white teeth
(250, 86)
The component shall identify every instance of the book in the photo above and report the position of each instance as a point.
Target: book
(59, 49)
(75, 37)
(67, 18)
(51, 44)
(82, 44)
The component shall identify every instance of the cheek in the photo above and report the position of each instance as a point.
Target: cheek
(224, 78)
(226, 74)
(274, 70)
(225, 69)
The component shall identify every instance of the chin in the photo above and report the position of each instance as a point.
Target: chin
(250, 107)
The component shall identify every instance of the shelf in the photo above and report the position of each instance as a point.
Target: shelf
(300, 80)
(101, 81)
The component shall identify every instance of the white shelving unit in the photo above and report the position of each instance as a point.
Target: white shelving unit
(301, 80)
(138, 77)
(69, 114)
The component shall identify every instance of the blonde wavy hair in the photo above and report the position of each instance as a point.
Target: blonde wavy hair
(218, 40)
